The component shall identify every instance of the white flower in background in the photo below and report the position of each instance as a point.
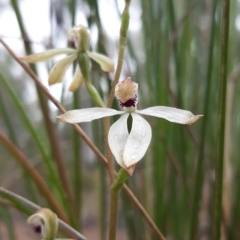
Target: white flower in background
(129, 147)
(44, 222)
(79, 39)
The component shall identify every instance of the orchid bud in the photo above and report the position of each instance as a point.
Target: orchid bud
(79, 37)
(45, 222)
(127, 93)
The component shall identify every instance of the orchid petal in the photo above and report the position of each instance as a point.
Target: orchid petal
(117, 138)
(87, 114)
(105, 62)
(59, 69)
(77, 80)
(47, 55)
(138, 141)
(171, 114)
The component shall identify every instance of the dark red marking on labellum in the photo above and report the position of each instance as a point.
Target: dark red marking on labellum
(37, 229)
(129, 103)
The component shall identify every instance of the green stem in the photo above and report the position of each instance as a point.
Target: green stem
(199, 169)
(43, 187)
(83, 61)
(175, 54)
(117, 185)
(221, 120)
(77, 175)
(122, 44)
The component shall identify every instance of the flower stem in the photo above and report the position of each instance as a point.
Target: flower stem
(84, 66)
(122, 175)
(83, 61)
(122, 44)
(117, 185)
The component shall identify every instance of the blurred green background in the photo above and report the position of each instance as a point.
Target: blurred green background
(173, 51)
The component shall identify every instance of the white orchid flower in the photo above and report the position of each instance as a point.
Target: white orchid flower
(79, 39)
(129, 147)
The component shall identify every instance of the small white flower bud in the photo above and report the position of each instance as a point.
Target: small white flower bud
(45, 222)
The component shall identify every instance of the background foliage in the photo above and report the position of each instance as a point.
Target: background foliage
(173, 51)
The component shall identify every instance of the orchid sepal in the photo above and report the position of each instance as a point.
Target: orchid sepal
(87, 114)
(171, 114)
(77, 80)
(59, 69)
(47, 55)
(105, 63)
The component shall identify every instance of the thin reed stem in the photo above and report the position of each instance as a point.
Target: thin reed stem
(199, 169)
(35, 176)
(221, 120)
(77, 176)
(55, 148)
(117, 185)
(106, 126)
(121, 49)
